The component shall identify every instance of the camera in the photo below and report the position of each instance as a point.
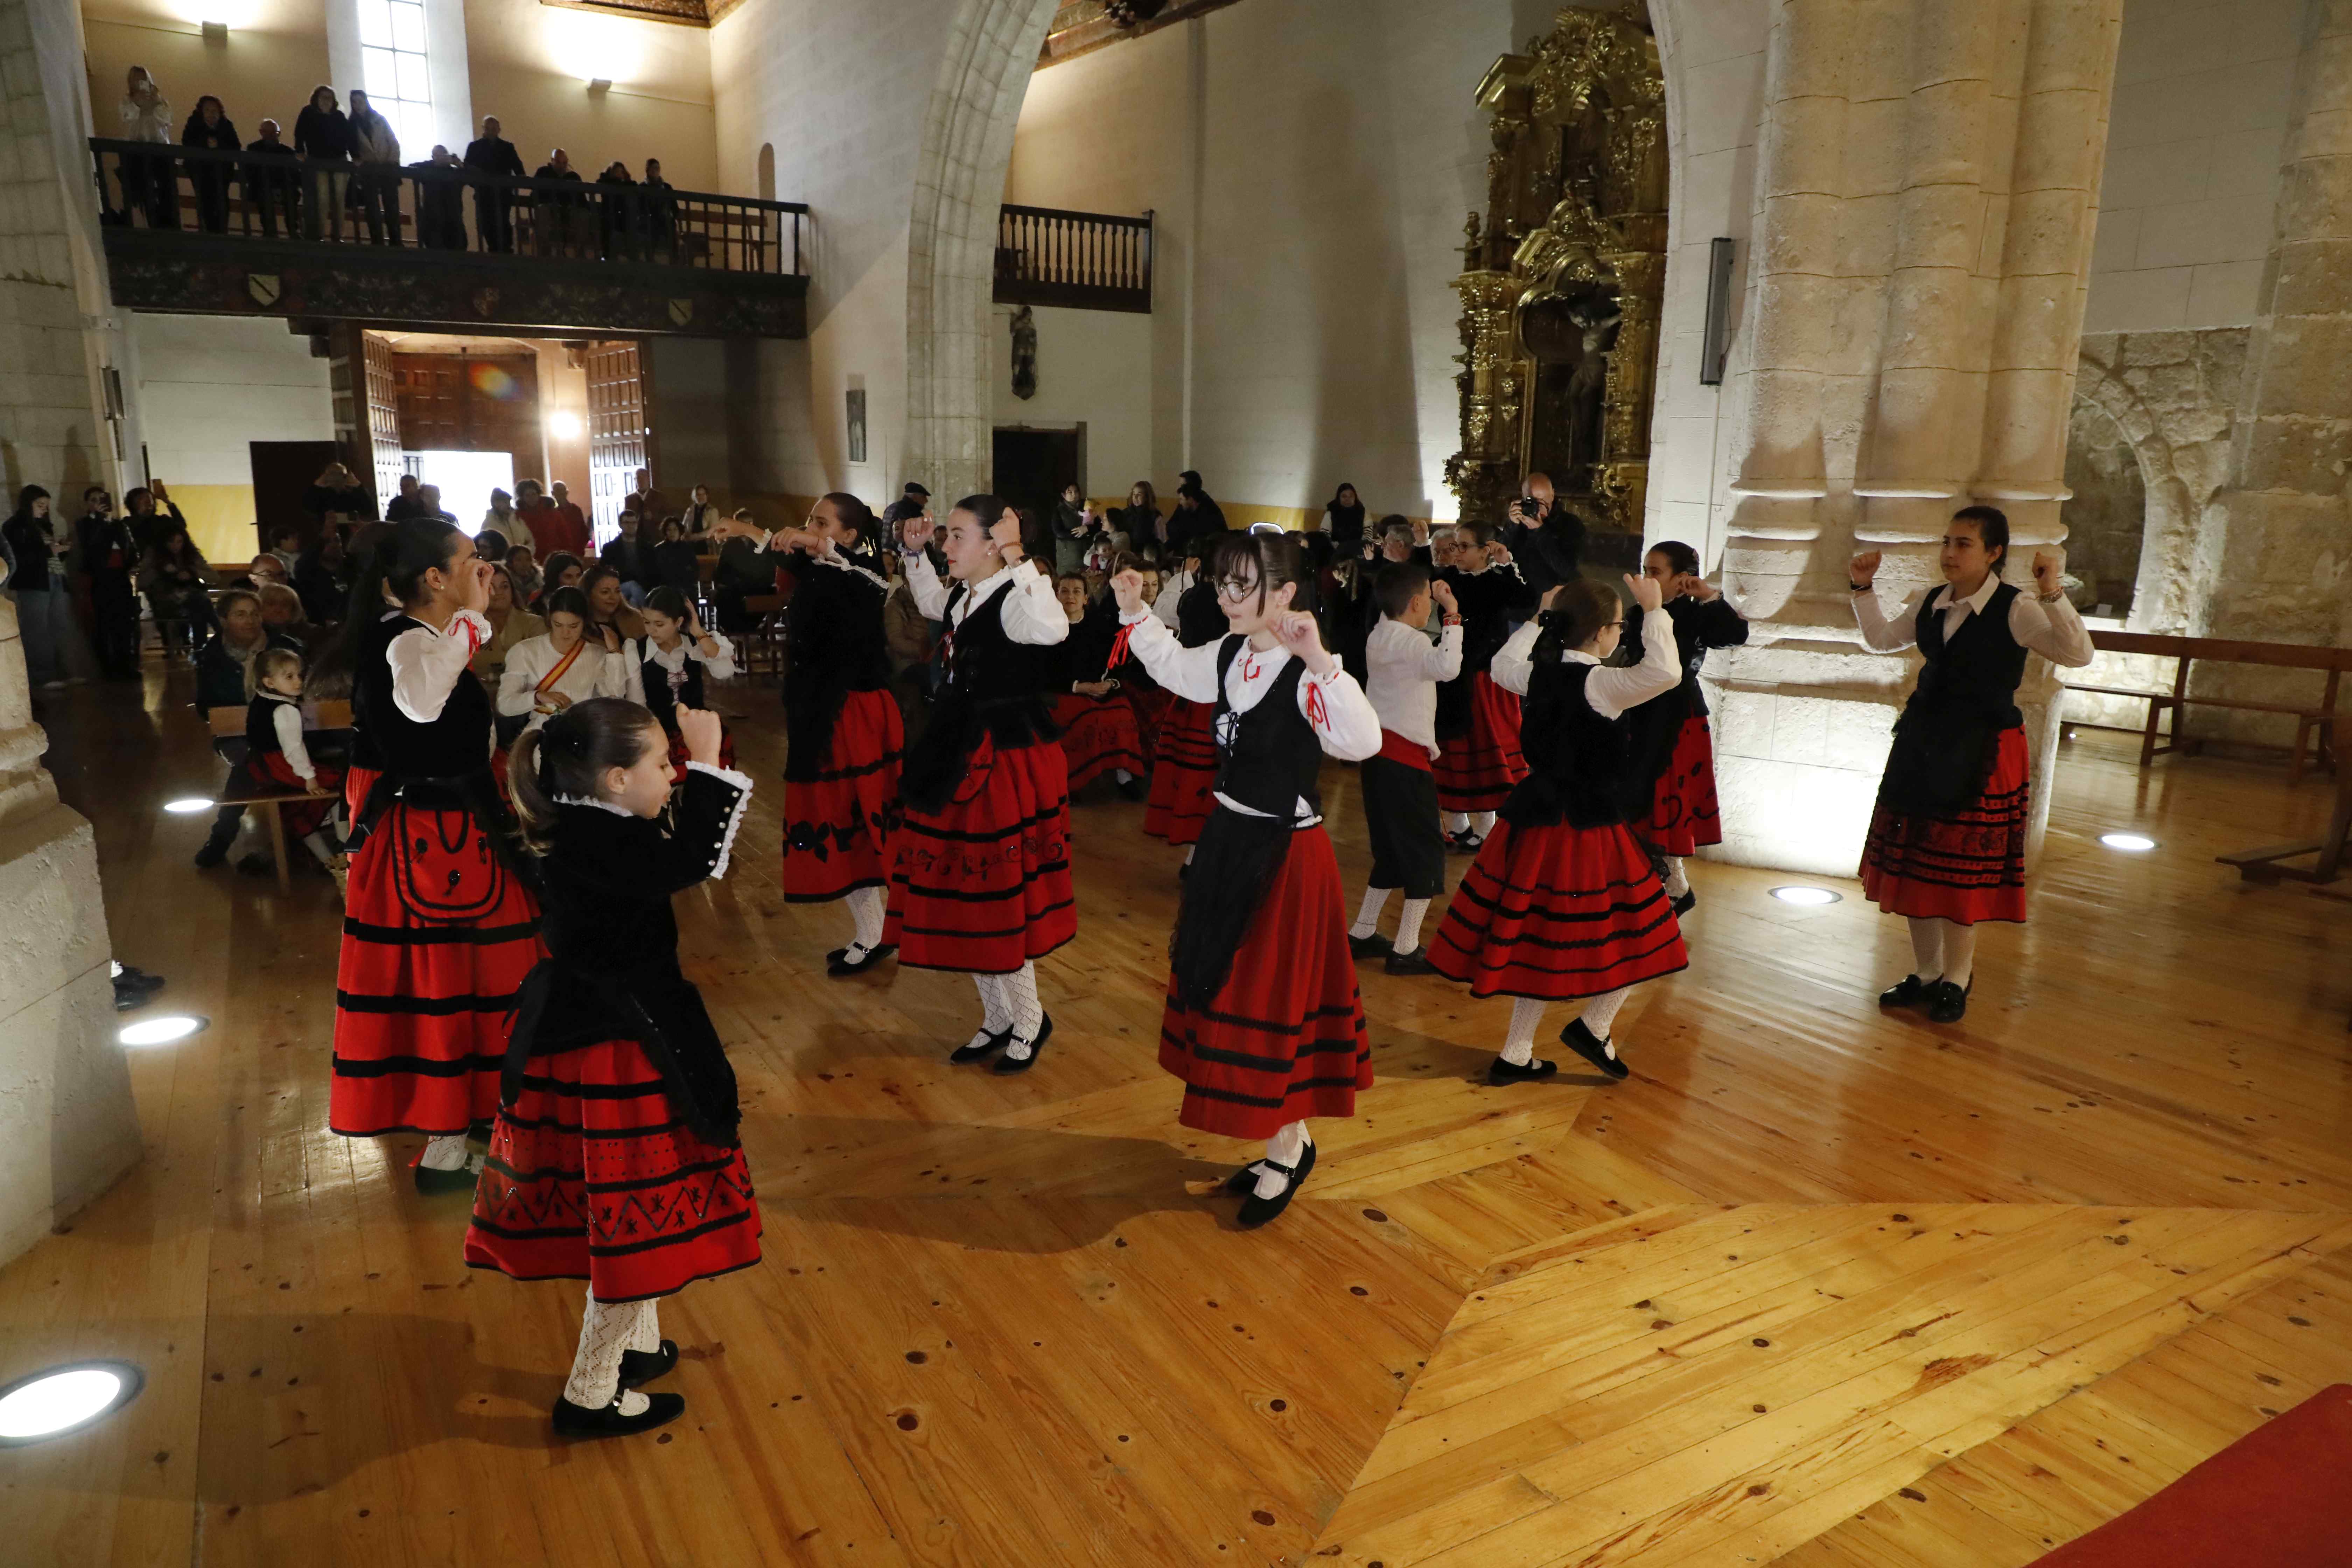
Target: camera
(1526, 510)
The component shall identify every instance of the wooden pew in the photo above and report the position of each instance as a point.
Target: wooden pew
(228, 744)
(2315, 731)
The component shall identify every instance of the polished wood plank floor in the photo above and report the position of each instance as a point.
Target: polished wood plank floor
(1816, 1286)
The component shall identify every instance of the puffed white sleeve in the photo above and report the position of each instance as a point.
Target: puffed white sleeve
(1881, 635)
(930, 594)
(2053, 628)
(1342, 717)
(287, 721)
(1514, 662)
(516, 683)
(1443, 659)
(1611, 692)
(620, 675)
(426, 664)
(1033, 615)
(1188, 672)
(721, 665)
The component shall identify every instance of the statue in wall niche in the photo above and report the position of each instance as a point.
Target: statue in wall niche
(1599, 317)
(1024, 354)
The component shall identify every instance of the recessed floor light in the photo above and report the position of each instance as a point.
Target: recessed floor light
(1798, 894)
(62, 1399)
(161, 1031)
(2135, 843)
(187, 806)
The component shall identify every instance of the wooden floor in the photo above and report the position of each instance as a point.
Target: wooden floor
(1816, 1286)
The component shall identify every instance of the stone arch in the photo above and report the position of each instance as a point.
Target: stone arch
(2163, 595)
(960, 172)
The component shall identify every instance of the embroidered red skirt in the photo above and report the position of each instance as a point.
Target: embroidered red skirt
(1098, 735)
(1968, 868)
(1284, 1038)
(983, 884)
(1151, 705)
(836, 826)
(1476, 769)
(1183, 774)
(438, 937)
(303, 813)
(1683, 815)
(1559, 912)
(592, 1175)
(680, 756)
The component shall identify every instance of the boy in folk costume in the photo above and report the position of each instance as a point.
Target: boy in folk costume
(1403, 669)
(1479, 721)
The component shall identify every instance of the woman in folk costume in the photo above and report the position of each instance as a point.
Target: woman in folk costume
(614, 1158)
(1099, 729)
(546, 674)
(1947, 843)
(675, 659)
(1683, 815)
(981, 854)
(1186, 762)
(1262, 1020)
(1563, 902)
(843, 733)
(1477, 721)
(440, 923)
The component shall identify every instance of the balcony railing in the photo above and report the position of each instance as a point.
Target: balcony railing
(1093, 261)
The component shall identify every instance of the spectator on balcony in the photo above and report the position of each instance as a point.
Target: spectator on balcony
(617, 196)
(556, 214)
(375, 185)
(209, 127)
(149, 182)
(659, 207)
(323, 137)
(493, 155)
(440, 214)
(272, 184)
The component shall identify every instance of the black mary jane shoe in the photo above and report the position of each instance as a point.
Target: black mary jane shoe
(1688, 901)
(579, 1421)
(1592, 1048)
(1008, 1064)
(138, 979)
(990, 1041)
(1136, 788)
(1372, 946)
(435, 1184)
(1500, 1072)
(837, 964)
(1464, 843)
(1414, 962)
(1948, 1003)
(1908, 992)
(1257, 1211)
(644, 1366)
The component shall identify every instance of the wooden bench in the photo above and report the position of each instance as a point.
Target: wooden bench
(228, 744)
(2314, 729)
(763, 646)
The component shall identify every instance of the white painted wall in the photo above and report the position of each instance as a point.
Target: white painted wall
(2202, 94)
(1093, 367)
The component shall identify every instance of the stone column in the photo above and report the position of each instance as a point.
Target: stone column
(1929, 179)
(67, 1128)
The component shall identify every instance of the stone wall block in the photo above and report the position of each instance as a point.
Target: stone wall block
(1793, 315)
(1928, 309)
(1809, 148)
(1945, 128)
(1875, 150)
(2060, 143)
(2300, 454)
(2036, 326)
(2048, 233)
(2309, 371)
(1810, 54)
(1941, 225)
(2024, 434)
(1784, 436)
(1801, 233)
(2315, 200)
(2313, 276)
(1866, 238)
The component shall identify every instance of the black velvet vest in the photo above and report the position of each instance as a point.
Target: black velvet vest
(1268, 757)
(1582, 769)
(261, 727)
(659, 699)
(1976, 673)
(452, 745)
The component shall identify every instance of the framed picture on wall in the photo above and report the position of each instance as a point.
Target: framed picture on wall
(857, 423)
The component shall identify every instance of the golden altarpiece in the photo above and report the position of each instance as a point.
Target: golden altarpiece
(1563, 280)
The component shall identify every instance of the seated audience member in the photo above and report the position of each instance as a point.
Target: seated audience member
(171, 576)
(286, 543)
(742, 571)
(566, 664)
(224, 679)
(623, 555)
(563, 570)
(492, 545)
(408, 503)
(677, 563)
(324, 578)
(510, 622)
(278, 758)
(264, 569)
(428, 500)
(522, 570)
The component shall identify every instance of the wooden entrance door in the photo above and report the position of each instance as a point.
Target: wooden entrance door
(617, 429)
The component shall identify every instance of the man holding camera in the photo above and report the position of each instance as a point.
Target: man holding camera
(1545, 538)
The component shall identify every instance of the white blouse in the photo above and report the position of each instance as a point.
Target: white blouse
(1032, 616)
(2051, 627)
(596, 673)
(673, 661)
(1333, 705)
(1610, 691)
(425, 664)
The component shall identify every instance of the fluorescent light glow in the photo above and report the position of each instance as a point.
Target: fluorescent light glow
(564, 425)
(2134, 843)
(52, 1403)
(188, 804)
(1798, 894)
(161, 1031)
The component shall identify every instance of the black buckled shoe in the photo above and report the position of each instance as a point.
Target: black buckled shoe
(1684, 904)
(1592, 1048)
(1008, 1064)
(1948, 1003)
(644, 1366)
(1414, 962)
(1372, 946)
(837, 962)
(1502, 1072)
(579, 1421)
(1257, 1211)
(1466, 842)
(434, 1182)
(987, 1043)
(1909, 991)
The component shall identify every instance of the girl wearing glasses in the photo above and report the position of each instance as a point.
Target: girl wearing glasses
(1262, 1021)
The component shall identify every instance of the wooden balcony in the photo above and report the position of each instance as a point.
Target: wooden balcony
(1085, 261)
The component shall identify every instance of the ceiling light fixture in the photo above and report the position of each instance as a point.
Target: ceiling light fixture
(61, 1399)
(1797, 893)
(2131, 843)
(161, 1031)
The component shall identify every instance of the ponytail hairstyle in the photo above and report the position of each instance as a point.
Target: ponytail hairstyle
(1276, 558)
(1681, 557)
(1992, 527)
(667, 601)
(569, 755)
(865, 530)
(1580, 608)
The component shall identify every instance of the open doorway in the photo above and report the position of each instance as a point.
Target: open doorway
(1032, 466)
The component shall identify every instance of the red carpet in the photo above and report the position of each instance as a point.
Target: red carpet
(2280, 1496)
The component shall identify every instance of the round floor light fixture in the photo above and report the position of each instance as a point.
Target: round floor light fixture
(188, 804)
(60, 1400)
(161, 1031)
(2130, 842)
(1808, 896)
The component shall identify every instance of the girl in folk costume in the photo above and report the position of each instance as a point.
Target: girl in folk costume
(614, 1158)
(673, 659)
(1563, 901)
(276, 758)
(980, 874)
(1098, 732)
(1479, 721)
(1947, 843)
(439, 924)
(547, 674)
(1187, 761)
(1262, 1020)
(842, 730)
(1683, 812)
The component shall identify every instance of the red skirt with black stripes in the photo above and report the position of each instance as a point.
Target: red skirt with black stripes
(438, 937)
(1557, 912)
(983, 886)
(1683, 813)
(1151, 705)
(593, 1175)
(1183, 774)
(1966, 868)
(1476, 769)
(1098, 735)
(1284, 1038)
(836, 826)
(303, 813)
